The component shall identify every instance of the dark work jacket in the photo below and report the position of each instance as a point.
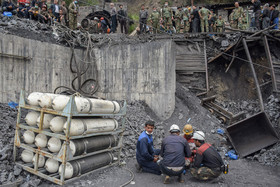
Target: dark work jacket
(174, 149)
(7, 4)
(274, 14)
(208, 156)
(122, 14)
(145, 148)
(257, 5)
(266, 13)
(195, 14)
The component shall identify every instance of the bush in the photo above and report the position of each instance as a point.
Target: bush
(133, 22)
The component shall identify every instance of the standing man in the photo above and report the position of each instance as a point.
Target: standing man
(146, 154)
(236, 15)
(174, 149)
(179, 19)
(55, 9)
(257, 12)
(220, 24)
(265, 16)
(122, 17)
(208, 163)
(195, 20)
(113, 17)
(274, 16)
(212, 21)
(154, 19)
(186, 19)
(143, 16)
(204, 15)
(73, 14)
(64, 11)
(167, 16)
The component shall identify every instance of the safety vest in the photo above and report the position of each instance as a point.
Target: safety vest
(203, 148)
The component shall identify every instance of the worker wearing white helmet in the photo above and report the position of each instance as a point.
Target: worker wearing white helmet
(174, 149)
(208, 157)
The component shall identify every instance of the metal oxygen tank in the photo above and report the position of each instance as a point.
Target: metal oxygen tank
(41, 161)
(52, 165)
(87, 164)
(41, 140)
(46, 121)
(27, 156)
(91, 144)
(54, 144)
(46, 100)
(87, 105)
(88, 126)
(28, 137)
(31, 118)
(33, 98)
(56, 124)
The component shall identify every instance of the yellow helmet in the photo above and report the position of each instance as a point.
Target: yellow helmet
(188, 129)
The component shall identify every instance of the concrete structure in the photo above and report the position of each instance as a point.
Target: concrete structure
(143, 71)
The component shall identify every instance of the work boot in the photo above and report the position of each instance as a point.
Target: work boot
(180, 179)
(138, 168)
(167, 180)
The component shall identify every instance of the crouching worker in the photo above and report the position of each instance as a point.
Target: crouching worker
(208, 162)
(174, 149)
(188, 134)
(146, 155)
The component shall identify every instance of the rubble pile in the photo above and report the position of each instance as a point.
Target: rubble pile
(26, 28)
(7, 126)
(9, 172)
(137, 116)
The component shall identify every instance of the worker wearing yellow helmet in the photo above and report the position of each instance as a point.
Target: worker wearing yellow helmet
(188, 134)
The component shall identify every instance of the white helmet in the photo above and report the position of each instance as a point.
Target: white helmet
(198, 135)
(174, 128)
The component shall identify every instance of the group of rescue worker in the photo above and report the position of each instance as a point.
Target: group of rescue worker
(178, 153)
(186, 19)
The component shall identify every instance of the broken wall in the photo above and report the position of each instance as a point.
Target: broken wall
(143, 71)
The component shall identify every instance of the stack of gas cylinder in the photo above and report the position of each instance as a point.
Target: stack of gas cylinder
(79, 126)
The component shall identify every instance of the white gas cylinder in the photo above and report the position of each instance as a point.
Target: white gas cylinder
(54, 144)
(41, 161)
(41, 140)
(31, 118)
(46, 121)
(56, 124)
(28, 137)
(52, 165)
(88, 126)
(27, 156)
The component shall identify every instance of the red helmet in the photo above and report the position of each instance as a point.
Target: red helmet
(101, 18)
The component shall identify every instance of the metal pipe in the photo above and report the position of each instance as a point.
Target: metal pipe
(87, 164)
(206, 67)
(254, 73)
(268, 56)
(15, 56)
(92, 144)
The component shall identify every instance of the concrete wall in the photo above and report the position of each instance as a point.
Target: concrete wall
(144, 71)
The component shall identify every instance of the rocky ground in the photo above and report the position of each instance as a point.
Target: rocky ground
(187, 108)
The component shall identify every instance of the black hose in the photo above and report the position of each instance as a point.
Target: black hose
(130, 180)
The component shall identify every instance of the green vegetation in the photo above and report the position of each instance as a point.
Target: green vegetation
(135, 18)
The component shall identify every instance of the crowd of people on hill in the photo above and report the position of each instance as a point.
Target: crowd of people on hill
(182, 19)
(40, 11)
(201, 19)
